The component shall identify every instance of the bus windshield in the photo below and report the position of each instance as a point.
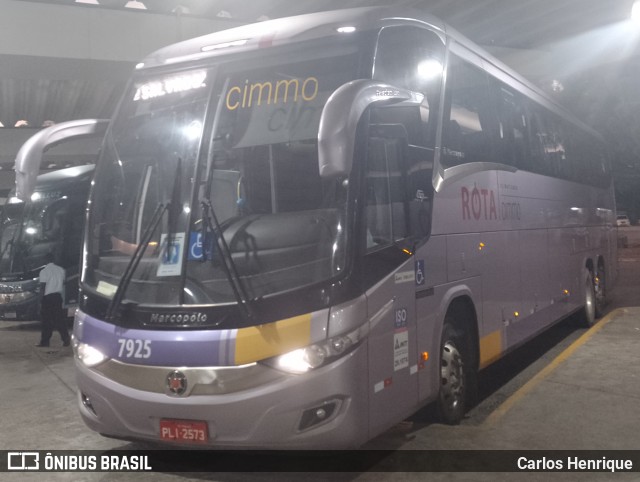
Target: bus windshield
(209, 178)
(31, 230)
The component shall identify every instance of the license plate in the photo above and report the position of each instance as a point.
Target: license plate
(184, 431)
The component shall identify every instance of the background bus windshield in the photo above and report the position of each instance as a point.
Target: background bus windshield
(31, 230)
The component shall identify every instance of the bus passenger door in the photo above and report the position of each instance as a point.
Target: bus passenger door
(389, 272)
(399, 192)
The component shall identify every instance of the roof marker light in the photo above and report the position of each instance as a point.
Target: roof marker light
(348, 29)
(135, 4)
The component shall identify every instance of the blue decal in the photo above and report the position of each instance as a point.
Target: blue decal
(200, 245)
(420, 272)
(401, 318)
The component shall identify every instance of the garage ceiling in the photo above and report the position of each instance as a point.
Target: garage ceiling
(510, 23)
(533, 29)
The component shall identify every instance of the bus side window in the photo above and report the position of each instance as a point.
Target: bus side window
(540, 142)
(468, 127)
(386, 219)
(409, 57)
(557, 150)
(412, 58)
(398, 178)
(513, 136)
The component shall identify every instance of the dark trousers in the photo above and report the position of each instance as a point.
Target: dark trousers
(53, 318)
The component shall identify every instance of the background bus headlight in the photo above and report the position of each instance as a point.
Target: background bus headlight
(17, 297)
(314, 356)
(89, 355)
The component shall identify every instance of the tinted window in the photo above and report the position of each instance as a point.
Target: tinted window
(470, 123)
(513, 129)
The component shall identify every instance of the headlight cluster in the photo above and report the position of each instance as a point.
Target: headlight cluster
(313, 356)
(6, 298)
(89, 355)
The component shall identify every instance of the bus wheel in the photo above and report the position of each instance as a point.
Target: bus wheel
(453, 378)
(589, 309)
(599, 283)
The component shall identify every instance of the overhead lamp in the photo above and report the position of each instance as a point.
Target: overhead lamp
(557, 86)
(635, 11)
(181, 10)
(135, 4)
(88, 2)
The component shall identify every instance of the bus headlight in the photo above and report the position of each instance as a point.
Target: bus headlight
(314, 356)
(16, 297)
(89, 355)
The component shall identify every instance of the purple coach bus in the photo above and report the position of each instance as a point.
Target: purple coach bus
(302, 231)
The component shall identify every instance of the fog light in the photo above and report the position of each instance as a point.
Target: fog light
(322, 413)
(86, 401)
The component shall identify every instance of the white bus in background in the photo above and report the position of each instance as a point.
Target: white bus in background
(302, 231)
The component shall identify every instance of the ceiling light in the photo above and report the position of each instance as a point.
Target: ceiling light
(88, 2)
(635, 11)
(181, 10)
(348, 29)
(135, 4)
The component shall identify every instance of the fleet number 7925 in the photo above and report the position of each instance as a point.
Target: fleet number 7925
(134, 348)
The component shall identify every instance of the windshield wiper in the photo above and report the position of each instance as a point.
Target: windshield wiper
(229, 266)
(174, 206)
(135, 261)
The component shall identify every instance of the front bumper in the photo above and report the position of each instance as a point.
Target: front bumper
(273, 414)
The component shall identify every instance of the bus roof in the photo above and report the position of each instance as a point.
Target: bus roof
(286, 30)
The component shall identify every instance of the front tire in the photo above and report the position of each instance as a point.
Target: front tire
(451, 403)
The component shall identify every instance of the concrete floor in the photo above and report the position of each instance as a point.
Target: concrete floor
(587, 398)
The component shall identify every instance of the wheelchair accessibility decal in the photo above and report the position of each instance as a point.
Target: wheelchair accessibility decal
(197, 249)
(420, 272)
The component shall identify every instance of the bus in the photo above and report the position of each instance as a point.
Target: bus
(302, 231)
(51, 221)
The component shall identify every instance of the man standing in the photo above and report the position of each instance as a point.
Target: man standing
(52, 289)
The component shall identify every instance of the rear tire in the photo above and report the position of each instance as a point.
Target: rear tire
(600, 286)
(589, 309)
(454, 377)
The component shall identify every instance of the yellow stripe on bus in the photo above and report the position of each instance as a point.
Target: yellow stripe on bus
(490, 348)
(271, 339)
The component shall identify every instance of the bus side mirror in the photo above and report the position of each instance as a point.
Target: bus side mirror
(29, 156)
(340, 117)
